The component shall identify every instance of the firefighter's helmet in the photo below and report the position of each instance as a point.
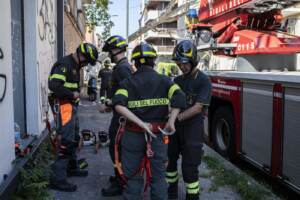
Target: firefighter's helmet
(185, 52)
(107, 63)
(89, 51)
(103, 138)
(115, 42)
(144, 53)
(89, 137)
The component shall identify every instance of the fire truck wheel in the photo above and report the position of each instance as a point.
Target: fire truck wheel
(223, 132)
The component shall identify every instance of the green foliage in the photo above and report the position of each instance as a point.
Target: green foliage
(239, 182)
(97, 15)
(34, 177)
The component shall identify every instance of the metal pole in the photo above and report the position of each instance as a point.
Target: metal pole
(127, 24)
(60, 26)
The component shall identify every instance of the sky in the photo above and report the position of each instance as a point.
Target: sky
(118, 8)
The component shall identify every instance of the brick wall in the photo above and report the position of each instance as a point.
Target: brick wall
(72, 36)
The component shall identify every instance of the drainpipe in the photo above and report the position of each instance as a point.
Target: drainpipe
(60, 26)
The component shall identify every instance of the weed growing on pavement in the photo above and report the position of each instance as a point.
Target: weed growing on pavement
(34, 177)
(205, 175)
(222, 177)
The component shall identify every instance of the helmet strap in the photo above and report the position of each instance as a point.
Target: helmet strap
(78, 58)
(113, 55)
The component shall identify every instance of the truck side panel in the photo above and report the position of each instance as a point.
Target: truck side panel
(257, 123)
(291, 136)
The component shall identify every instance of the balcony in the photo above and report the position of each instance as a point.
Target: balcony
(151, 14)
(164, 50)
(156, 3)
(161, 33)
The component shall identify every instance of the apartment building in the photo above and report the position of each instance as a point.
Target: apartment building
(164, 36)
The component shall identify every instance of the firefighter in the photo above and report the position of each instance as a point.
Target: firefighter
(144, 100)
(187, 140)
(105, 75)
(116, 47)
(64, 85)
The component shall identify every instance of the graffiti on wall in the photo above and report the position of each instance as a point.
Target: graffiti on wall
(2, 86)
(47, 49)
(1, 54)
(43, 97)
(2, 81)
(46, 19)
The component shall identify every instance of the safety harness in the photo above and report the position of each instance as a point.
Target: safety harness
(145, 165)
(54, 105)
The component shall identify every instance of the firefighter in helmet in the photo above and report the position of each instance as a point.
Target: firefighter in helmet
(105, 76)
(116, 47)
(64, 86)
(144, 99)
(187, 139)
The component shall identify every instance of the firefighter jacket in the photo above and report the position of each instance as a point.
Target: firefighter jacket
(148, 95)
(64, 78)
(105, 75)
(197, 89)
(120, 71)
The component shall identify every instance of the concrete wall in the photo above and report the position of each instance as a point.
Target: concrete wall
(6, 106)
(40, 54)
(46, 53)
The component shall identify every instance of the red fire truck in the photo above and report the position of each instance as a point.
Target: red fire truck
(255, 108)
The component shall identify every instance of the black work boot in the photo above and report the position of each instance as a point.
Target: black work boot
(173, 190)
(192, 196)
(115, 189)
(77, 172)
(63, 186)
(112, 179)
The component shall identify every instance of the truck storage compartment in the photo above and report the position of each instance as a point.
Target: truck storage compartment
(256, 133)
(291, 136)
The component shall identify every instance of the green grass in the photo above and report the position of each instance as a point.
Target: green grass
(223, 177)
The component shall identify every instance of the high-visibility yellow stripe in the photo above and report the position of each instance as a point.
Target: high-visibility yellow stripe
(71, 85)
(113, 39)
(189, 54)
(148, 102)
(91, 53)
(172, 177)
(172, 180)
(193, 188)
(58, 76)
(172, 174)
(193, 191)
(172, 89)
(82, 48)
(145, 53)
(122, 92)
(135, 54)
(192, 185)
(120, 43)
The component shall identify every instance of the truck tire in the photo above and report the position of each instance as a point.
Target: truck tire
(223, 134)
